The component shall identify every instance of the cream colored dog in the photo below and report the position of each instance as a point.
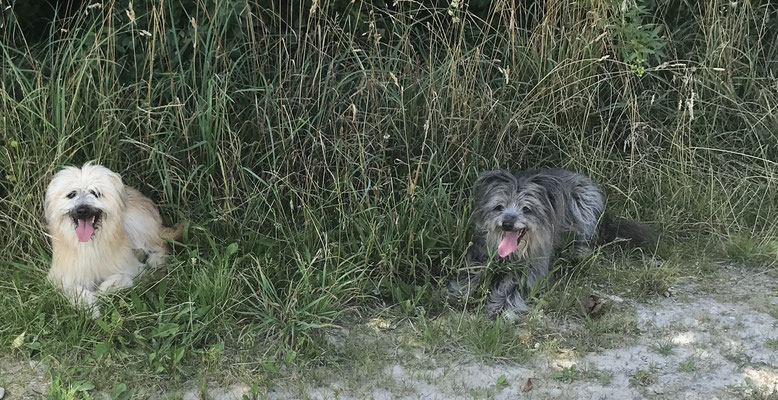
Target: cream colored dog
(103, 233)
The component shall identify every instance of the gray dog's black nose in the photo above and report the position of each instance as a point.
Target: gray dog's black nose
(83, 212)
(507, 224)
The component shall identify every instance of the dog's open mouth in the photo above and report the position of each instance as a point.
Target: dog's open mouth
(510, 242)
(85, 227)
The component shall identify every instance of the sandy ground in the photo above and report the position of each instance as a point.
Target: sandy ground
(723, 334)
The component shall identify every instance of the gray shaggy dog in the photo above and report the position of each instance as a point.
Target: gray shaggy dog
(529, 217)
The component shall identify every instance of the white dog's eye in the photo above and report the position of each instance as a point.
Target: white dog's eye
(71, 194)
(96, 194)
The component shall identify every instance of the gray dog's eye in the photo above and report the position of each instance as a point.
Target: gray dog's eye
(499, 208)
(71, 194)
(525, 210)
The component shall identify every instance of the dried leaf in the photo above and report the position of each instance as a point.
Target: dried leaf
(592, 305)
(527, 386)
(19, 341)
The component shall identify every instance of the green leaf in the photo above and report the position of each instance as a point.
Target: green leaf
(178, 355)
(167, 329)
(104, 325)
(271, 366)
(103, 348)
(83, 386)
(231, 249)
(120, 392)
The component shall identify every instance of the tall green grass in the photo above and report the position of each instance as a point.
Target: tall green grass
(324, 150)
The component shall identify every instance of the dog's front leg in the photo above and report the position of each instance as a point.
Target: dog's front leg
(81, 296)
(462, 284)
(116, 281)
(538, 270)
(465, 280)
(505, 297)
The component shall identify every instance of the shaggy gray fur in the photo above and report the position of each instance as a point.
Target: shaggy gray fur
(544, 208)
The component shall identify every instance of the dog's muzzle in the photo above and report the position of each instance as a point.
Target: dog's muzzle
(87, 220)
(511, 236)
(84, 212)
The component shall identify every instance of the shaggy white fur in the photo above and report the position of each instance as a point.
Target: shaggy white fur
(99, 227)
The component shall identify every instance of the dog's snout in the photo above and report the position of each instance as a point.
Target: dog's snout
(509, 223)
(83, 212)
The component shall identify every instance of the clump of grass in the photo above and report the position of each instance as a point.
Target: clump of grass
(638, 278)
(643, 377)
(568, 375)
(664, 347)
(751, 251)
(688, 366)
(496, 339)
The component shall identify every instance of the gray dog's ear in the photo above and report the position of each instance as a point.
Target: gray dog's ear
(491, 178)
(552, 186)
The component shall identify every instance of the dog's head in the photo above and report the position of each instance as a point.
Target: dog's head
(82, 201)
(512, 209)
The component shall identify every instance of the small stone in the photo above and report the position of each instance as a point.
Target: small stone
(591, 305)
(667, 293)
(2, 393)
(37, 367)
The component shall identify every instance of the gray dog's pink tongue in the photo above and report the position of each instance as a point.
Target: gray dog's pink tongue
(510, 241)
(85, 229)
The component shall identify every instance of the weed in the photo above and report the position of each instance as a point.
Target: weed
(568, 375)
(688, 366)
(664, 347)
(751, 251)
(643, 377)
(493, 339)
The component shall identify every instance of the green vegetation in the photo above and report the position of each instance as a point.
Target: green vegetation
(323, 153)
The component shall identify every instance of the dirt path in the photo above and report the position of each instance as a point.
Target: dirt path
(712, 340)
(716, 340)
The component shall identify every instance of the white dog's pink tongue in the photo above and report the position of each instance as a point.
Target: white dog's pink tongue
(85, 229)
(510, 241)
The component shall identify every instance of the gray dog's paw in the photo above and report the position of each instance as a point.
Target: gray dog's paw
(512, 315)
(454, 290)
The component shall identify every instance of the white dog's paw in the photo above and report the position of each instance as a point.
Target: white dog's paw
(155, 259)
(84, 299)
(116, 281)
(95, 311)
(141, 255)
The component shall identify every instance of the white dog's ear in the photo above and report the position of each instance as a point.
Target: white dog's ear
(116, 179)
(47, 207)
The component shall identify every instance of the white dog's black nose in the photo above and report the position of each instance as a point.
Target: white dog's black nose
(84, 212)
